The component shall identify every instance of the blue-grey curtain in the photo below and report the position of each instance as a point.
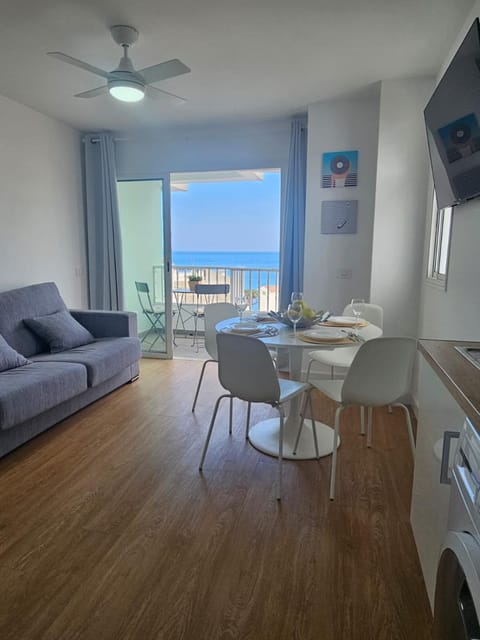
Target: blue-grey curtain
(292, 236)
(104, 249)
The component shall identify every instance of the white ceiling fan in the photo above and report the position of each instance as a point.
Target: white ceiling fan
(124, 82)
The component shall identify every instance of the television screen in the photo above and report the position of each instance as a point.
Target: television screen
(452, 118)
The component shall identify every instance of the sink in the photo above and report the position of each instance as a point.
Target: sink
(472, 354)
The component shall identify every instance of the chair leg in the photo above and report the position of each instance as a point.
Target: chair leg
(362, 420)
(314, 426)
(230, 417)
(200, 383)
(333, 472)
(159, 335)
(332, 372)
(409, 426)
(247, 428)
(210, 429)
(280, 453)
(369, 426)
(307, 377)
(297, 439)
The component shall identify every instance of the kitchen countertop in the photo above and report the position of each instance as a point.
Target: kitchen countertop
(459, 375)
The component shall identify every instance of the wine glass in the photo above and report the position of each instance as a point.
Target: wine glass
(358, 306)
(294, 314)
(296, 296)
(241, 304)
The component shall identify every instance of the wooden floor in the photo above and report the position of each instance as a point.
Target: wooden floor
(108, 531)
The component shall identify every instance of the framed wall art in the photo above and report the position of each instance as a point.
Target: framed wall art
(339, 169)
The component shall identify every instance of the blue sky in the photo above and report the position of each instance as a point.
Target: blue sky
(227, 216)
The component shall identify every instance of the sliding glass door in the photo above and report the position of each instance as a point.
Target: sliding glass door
(145, 227)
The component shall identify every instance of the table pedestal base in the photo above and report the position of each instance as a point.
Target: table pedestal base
(264, 437)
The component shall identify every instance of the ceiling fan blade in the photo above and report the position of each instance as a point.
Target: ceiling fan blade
(92, 93)
(164, 70)
(78, 63)
(153, 92)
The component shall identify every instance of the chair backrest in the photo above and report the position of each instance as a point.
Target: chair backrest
(371, 312)
(143, 293)
(212, 289)
(245, 368)
(215, 313)
(381, 372)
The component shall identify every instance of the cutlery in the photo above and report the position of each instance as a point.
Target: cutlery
(268, 331)
(275, 315)
(353, 336)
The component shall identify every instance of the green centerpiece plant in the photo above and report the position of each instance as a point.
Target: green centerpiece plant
(193, 280)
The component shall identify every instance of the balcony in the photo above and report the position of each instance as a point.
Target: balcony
(261, 286)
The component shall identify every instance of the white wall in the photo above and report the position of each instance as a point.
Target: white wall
(400, 201)
(342, 125)
(455, 313)
(443, 314)
(41, 211)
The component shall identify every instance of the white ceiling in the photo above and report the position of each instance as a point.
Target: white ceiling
(250, 59)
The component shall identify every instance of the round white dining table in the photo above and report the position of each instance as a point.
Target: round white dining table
(265, 434)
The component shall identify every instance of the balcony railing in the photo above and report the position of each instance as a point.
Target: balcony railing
(259, 285)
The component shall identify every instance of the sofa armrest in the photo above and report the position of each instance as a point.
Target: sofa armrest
(107, 324)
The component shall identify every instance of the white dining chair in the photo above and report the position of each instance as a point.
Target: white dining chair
(246, 371)
(343, 357)
(213, 314)
(207, 294)
(380, 375)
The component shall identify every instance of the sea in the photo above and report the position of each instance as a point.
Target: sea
(245, 259)
(257, 261)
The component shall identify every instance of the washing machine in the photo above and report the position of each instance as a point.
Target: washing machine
(457, 588)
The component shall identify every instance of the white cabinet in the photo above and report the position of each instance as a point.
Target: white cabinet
(438, 412)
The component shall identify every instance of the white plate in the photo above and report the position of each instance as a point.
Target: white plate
(264, 317)
(324, 333)
(244, 327)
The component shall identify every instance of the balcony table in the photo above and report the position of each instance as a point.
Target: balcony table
(264, 435)
(179, 295)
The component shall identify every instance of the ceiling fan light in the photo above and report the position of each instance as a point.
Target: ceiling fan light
(126, 91)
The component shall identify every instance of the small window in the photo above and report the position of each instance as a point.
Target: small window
(439, 244)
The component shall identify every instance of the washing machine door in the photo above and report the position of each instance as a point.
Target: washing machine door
(457, 591)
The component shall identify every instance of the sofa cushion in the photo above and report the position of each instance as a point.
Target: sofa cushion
(28, 391)
(60, 331)
(103, 358)
(9, 358)
(27, 302)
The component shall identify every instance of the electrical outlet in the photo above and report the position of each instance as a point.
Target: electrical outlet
(344, 274)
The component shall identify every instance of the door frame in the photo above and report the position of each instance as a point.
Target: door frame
(164, 178)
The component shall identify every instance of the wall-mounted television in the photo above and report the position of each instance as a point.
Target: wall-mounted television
(452, 119)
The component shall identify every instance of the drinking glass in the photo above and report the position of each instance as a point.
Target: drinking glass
(296, 296)
(241, 304)
(294, 314)
(358, 307)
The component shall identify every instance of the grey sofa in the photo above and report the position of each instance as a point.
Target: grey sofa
(38, 395)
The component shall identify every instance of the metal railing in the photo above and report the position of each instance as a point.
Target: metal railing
(260, 286)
